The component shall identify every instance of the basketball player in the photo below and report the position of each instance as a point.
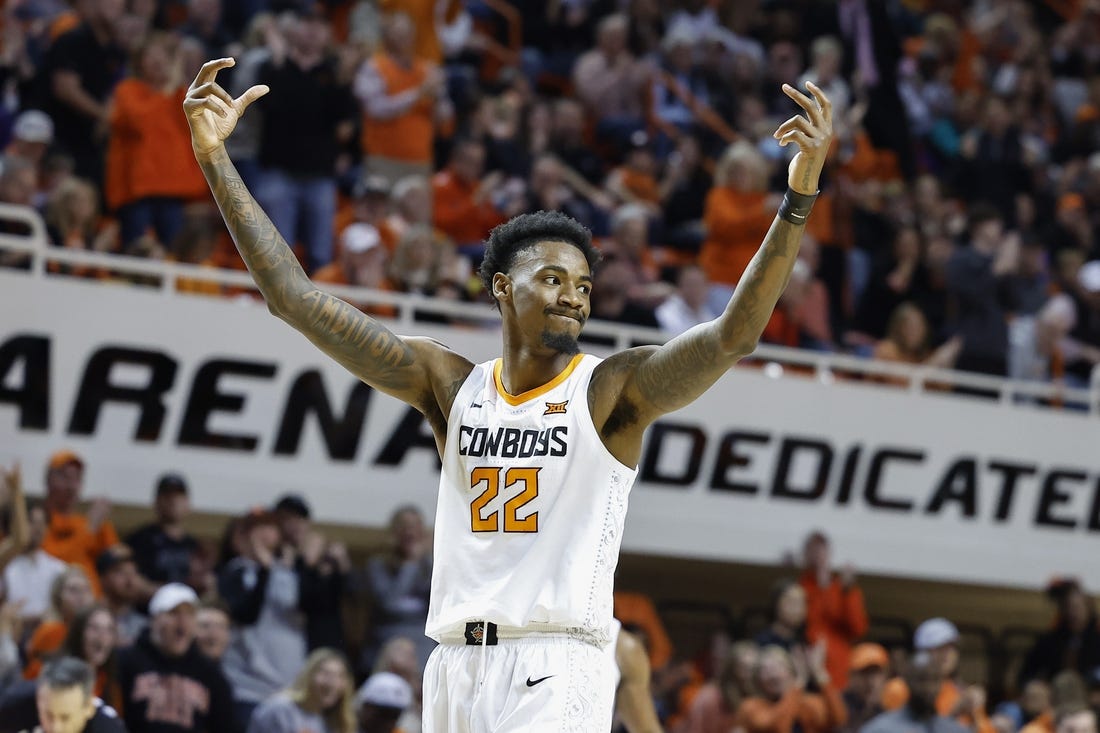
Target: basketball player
(539, 447)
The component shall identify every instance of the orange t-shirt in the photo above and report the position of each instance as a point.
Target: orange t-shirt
(70, 540)
(407, 137)
(45, 640)
(636, 609)
(838, 616)
(736, 223)
(455, 212)
(149, 152)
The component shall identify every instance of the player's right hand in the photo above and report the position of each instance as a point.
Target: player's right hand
(211, 112)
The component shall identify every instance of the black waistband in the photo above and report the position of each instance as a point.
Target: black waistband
(480, 633)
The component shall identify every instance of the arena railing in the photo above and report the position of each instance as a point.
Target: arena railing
(34, 255)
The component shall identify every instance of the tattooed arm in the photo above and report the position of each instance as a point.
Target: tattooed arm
(418, 371)
(634, 388)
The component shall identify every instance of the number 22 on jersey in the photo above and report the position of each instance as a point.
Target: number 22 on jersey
(528, 477)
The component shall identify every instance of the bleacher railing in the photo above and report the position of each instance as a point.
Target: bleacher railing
(36, 256)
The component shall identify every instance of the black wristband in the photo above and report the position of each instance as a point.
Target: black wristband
(796, 207)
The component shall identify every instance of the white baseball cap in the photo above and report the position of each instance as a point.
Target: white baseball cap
(33, 126)
(1089, 276)
(934, 633)
(385, 689)
(171, 596)
(359, 238)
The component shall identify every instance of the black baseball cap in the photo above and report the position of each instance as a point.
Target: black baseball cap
(111, 558)
(293, 504)
(171, 483)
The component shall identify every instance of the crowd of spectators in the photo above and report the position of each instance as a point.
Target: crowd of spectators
(956, 225)
(274, 629)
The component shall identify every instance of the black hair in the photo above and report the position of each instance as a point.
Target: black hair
(980, 213)
(527, 230)
(64, 673)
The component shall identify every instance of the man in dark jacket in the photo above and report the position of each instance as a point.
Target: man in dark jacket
(1074, 642)
(169, 686)
(60, 702)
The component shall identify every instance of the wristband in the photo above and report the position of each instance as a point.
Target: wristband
(796, 207)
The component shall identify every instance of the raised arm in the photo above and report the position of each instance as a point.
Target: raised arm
(645, 383)
(418, 371)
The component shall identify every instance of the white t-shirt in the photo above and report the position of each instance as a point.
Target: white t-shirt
(28, 578)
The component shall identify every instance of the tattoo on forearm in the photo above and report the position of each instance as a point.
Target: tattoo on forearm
(269, 258)
(344, 332)
(688, 365)
(764, 281)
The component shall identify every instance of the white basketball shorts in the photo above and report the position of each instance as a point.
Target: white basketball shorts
(539, 683)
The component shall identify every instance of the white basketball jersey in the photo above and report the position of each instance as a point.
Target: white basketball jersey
(531, 509)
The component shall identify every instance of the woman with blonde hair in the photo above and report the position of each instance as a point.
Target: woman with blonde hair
(908, 342)
(321, 700)
(73, 222)
(70, 594)
(737, 214)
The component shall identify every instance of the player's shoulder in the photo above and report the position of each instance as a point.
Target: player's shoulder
(614, 371)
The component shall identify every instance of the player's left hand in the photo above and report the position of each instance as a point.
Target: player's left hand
(812, 134)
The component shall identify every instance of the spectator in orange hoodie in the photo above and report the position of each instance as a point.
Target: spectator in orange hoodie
(737, 214)
(834, 606)
(151, 170)
(782, 703)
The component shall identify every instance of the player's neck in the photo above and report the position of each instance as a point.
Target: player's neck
(526, 369)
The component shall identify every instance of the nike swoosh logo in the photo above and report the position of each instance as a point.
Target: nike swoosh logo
(532, 683)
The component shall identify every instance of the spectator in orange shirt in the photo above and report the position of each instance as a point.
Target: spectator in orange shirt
(782, 704)
(863, 695)
(71, 537)
(465, 199)
(151, 171)
(639, 616)
(939, 639)
(737, 214)
(70, 594)
(403, 97)
(834, 606)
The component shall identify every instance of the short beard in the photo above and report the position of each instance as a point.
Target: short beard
(563, 343)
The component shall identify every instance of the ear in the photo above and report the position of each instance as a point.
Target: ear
(502, 287)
